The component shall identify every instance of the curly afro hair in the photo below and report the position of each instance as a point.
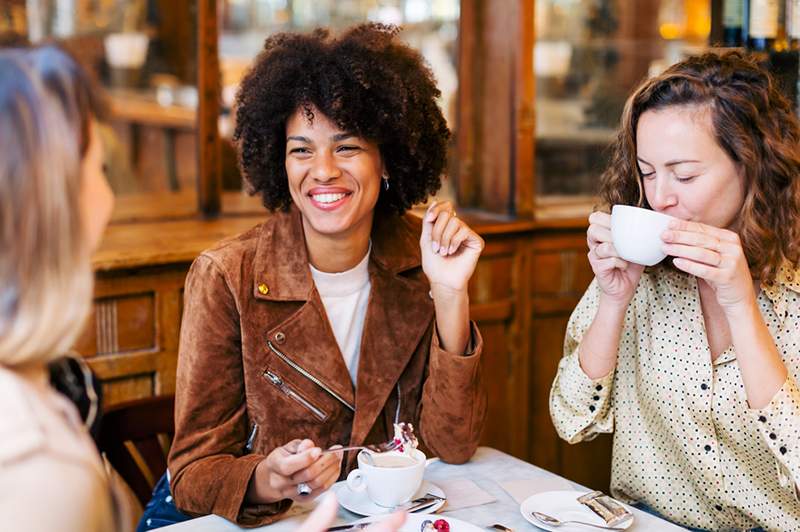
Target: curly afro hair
(366, 81)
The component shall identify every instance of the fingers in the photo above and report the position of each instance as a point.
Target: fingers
(600, 219)
(321, 467)
(431, 217)
(390, 524)
(685, 226)
(607, 264)
(696, 254)
(285, 463)
(605, 250)
(445, 233)
(599, 229)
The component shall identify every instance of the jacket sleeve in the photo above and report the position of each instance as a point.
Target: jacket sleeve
(210, 471)
(581, 408)
(453, 396)
(779, 425)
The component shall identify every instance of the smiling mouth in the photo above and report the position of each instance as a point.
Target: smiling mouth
(328, 198)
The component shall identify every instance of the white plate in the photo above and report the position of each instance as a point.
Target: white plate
(414, 523)
(564, 506)
(360, 503)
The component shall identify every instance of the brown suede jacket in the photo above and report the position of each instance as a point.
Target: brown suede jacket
(259, 365)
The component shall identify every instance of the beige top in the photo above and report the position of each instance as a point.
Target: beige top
(686, 442)
(51, 476)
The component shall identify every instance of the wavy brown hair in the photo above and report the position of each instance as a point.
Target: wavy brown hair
(366, 81)
(753, 123)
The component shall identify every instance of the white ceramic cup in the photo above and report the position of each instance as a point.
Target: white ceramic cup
(388, 486)
(636, 234)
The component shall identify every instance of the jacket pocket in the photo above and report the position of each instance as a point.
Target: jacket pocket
(293, 394)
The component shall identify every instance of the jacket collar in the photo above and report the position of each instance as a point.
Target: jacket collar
(281, 261)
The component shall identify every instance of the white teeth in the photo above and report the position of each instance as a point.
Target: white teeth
(327, 198)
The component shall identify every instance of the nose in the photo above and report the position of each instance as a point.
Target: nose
(324, 167)
(660, 193)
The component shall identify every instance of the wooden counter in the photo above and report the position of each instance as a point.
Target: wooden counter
(529, 278)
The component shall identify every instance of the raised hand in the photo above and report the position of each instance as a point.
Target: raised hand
(714, 255)
(616, 277)
(450, 248)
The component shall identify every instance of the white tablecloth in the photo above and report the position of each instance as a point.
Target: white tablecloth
(487, 468)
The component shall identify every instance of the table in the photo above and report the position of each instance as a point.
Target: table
(486, 468)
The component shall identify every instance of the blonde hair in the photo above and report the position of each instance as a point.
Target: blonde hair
(45, 270)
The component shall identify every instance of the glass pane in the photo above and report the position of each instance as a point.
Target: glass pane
(588, 56)
(430, 26)
(143, 54)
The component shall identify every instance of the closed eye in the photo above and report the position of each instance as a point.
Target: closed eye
(299, 150)
(646, 174)
(348, 148)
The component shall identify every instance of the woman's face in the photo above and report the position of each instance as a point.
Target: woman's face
(334, 176)
(685, 173)
(96, 199)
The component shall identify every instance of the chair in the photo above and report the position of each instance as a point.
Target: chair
(135, 437)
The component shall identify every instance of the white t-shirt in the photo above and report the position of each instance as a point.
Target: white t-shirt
(345, 296)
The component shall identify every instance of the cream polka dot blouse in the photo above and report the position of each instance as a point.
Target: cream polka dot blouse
(686, 442)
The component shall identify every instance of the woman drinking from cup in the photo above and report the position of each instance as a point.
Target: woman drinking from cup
(693, 363)
(340, 315)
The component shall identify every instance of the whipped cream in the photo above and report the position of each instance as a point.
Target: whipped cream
(404, 438)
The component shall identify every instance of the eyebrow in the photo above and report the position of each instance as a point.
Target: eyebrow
(669, 163)
(336, 138)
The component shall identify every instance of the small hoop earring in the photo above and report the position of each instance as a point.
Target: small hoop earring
(385, 182)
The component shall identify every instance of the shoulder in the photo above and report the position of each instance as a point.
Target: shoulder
(75, 497)
(20, 433)
(229, 253)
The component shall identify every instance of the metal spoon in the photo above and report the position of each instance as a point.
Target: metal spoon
(407, 437)
(552, 521)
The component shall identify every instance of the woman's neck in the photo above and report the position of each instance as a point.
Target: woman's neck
(335, 255)
(34, 373)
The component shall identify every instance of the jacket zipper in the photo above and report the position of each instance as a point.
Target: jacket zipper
(310, 377)
(289, 392)
(251, 439)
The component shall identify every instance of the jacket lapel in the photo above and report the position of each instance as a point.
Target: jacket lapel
(281, 273)
(399, 313)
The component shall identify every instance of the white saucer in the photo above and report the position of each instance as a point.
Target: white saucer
(562, 505)
(360, 503)
(414, 523)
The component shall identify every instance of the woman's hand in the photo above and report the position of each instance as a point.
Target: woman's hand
(277, 476)
(325, 513)
(450, 248)
(616, 277)
(714, 255)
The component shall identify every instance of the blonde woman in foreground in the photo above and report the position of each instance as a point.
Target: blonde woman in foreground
(54, 204)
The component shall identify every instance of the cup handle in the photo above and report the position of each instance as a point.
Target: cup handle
(429, 461)
(355, 481)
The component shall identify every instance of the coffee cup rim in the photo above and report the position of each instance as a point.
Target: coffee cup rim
(417, 458)
(623, 207)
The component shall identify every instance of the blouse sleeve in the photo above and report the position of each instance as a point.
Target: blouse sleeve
(779, 425)
(581, 408)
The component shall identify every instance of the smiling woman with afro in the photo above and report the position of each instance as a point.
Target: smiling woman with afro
(365, 81)
(341, 319)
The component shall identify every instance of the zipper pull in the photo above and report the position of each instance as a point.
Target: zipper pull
(250, 439)
(273, 378)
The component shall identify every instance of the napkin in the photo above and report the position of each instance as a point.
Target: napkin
(463, 493)
(524, 488)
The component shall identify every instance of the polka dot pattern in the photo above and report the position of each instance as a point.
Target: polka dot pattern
(686, 442)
